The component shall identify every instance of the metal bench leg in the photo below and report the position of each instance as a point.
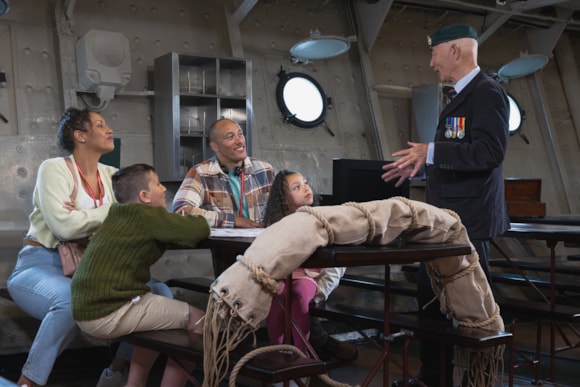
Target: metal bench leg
(406, 361)
(442, 365)
(511, 363)
(538, 360)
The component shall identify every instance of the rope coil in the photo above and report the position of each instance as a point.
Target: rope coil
(276, 348)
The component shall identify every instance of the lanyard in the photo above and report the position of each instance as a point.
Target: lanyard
(98, 202)
(242, 192)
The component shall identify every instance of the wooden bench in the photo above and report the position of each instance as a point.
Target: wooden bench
(516, 279)
(538, 312)
(377, 284)
(567, 292)
(196, 284)
(536, 309)
(517, 307)
(535, 266)
(411, 326)
(202, 284)
(271, 367)
(513, 311)
(421, 328)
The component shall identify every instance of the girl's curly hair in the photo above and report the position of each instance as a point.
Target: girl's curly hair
(276, 207)
(72, 119)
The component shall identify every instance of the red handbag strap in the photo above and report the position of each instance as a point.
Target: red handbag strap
(71, 167)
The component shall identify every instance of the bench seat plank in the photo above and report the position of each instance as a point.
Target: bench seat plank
(196, 284)
(377, 284)
(421, 328)
(517, 279)
(536, 266)
(271, 367)
(539, 310)
(522, 308)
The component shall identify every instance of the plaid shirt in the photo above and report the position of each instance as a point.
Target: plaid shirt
(207, 189)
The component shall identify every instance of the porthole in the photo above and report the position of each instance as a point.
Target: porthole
(301, 99)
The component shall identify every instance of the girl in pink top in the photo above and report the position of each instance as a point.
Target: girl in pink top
(289, 191)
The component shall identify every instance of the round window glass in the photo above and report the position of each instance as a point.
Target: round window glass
(516, 116)
(301, 99)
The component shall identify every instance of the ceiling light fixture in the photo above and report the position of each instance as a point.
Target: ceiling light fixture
(522, 66)
(320, 47)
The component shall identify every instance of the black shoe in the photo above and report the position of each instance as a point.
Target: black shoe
(339, 350)
(412, 382)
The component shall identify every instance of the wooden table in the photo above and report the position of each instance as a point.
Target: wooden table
(552, 234)
(225, 250)
(560, 220)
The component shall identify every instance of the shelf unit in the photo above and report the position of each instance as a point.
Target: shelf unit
(190, 93)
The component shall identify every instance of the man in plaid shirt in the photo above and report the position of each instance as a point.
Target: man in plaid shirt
(230, 189)
(212, 189)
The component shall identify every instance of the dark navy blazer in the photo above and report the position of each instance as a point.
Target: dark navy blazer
(467, 175)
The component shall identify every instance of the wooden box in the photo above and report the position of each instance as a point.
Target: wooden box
(522, 190)
(526, 209)
(523, 197)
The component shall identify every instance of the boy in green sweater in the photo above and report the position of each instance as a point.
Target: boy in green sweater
(110, 297)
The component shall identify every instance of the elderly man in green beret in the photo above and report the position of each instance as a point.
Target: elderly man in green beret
(463, 163)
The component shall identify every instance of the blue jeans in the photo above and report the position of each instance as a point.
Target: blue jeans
(39, 288)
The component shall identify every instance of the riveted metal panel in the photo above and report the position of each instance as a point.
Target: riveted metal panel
(7, 110)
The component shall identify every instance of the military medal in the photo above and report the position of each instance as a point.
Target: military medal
(455, 127)
(448, 126)
(460, 127)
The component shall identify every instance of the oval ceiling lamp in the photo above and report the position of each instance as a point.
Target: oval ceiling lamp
(522, 66)
(319, 47)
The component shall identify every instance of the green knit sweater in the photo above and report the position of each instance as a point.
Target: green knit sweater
(116, 265)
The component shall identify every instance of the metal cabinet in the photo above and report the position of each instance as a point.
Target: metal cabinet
(191, 92)
(427, 103)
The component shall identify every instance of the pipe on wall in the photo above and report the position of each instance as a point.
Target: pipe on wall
(568, 68)
(516, 14)
(555, 159)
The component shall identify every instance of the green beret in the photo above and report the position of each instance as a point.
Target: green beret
(451, 32)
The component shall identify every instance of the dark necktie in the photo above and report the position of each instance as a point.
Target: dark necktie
(449, 93)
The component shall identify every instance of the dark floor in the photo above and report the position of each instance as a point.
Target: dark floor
(567, 366)
(81, 368)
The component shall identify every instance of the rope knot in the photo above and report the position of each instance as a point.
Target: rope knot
(266, 282)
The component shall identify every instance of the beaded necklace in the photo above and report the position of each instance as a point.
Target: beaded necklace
(98, 202)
